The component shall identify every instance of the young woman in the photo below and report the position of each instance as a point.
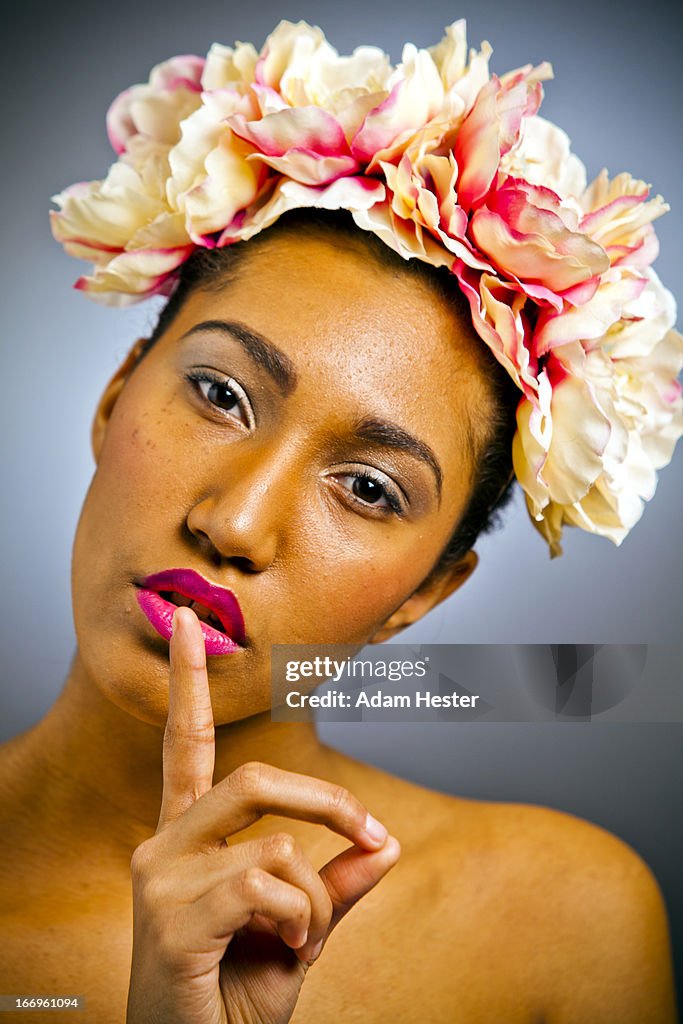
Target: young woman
(279, 455)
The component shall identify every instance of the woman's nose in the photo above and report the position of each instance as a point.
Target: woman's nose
(241, 516)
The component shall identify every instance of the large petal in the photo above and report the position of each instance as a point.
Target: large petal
(534, 245)
(287, 44)
(416, 95)
(356, 194)
(133, 276)
(105, 214)
(231, 183)
(619, 213)
(498, 317)
(306, 144)
(492, 128)
(591, 320)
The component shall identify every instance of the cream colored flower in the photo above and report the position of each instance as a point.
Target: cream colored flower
(155, 110)
(211, 177)
(614, 418)
(445, 163)
(125, 225)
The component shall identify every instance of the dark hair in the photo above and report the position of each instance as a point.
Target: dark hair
(493, 483)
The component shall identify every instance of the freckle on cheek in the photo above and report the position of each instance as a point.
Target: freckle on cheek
(126, 455)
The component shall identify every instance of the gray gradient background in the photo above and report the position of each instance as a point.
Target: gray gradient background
(617, 94)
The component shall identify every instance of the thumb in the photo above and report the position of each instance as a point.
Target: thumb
(351, 875)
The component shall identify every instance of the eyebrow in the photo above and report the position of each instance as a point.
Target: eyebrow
(276, 364)
(390, 435)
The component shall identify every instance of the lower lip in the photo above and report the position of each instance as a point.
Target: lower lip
(160, 613)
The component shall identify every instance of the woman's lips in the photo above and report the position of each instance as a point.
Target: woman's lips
(221, 602)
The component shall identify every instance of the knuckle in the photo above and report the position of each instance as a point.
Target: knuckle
(142, 860)
(196, 733)
(151, 908)
(248, 778)
(336, 896)
(197, 661)
(151, 882)
(283, 847)
(253, 884)
(342, 804)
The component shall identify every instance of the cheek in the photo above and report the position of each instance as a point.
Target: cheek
(145, 463)
(351, 587)
(132, 492)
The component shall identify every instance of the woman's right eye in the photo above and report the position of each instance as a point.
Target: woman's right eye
(225, 395)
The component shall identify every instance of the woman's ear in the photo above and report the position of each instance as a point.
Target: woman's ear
(110, 394)
(426, 597)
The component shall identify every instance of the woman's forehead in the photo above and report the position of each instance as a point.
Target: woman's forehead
(361, 338)
(326, 300)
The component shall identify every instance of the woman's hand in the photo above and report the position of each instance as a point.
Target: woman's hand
(216, 926)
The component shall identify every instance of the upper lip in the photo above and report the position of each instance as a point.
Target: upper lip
(221, 601)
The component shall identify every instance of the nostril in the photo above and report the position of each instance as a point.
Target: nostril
(245, 564)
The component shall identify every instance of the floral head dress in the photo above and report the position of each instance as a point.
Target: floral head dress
(446, 163)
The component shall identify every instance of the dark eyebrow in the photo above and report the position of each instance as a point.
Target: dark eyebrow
(392, 436)
(261, 350)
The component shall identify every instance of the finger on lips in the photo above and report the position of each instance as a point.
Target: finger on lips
(189, 737)
(270, 876)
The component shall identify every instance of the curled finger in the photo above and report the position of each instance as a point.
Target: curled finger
(231, 903)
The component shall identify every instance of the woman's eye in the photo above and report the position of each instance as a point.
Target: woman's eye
(221, 395)
(370, 491)
(226, 395)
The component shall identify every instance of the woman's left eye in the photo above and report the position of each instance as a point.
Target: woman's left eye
(224, 394)
(367, 489)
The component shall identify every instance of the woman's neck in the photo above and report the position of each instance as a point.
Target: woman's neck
(96, 770)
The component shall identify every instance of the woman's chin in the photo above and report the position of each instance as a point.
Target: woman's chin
(130, 668)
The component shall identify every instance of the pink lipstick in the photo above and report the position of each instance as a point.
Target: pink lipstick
(216, 607)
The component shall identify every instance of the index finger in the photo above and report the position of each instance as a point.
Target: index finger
(189, 738)
(256, 789)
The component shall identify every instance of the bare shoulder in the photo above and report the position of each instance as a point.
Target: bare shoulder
(553, 855)
(592, 904)
(554, 899)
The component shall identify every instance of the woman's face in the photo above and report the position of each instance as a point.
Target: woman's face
(313, 459)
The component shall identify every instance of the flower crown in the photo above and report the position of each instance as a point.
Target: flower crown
(446, 163)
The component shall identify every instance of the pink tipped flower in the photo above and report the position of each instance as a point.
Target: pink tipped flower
(447, 164)
(156, 109)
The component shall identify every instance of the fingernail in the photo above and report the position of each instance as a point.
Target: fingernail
(393, 847)
(375, 830)
(315, 952)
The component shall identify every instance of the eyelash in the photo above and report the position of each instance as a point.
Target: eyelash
(395, 505)
(207, 377)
